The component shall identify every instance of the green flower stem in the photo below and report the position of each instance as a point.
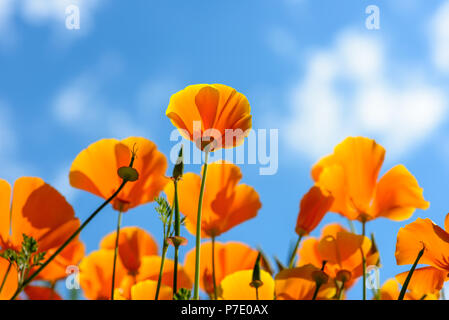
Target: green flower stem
(196, 293)
(167, 232)
(5, 277)
(177, 234)
(70, 239)
(117, 236)
(319, 283)
(213, 269)
(340, 290)
(409, 276)
(317, 288)
(292, 257)
(159, 280)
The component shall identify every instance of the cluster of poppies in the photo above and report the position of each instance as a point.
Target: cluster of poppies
(39, 232)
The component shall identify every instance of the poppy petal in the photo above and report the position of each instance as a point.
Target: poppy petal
(426, 280)
(146, 290)
(134, 243)
(398, 195)
(313, 206)
(237, 286)
(10, 286)
(423, 233)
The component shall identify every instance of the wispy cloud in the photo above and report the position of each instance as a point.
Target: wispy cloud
(44, 12)
(350, 88)
(439, 35)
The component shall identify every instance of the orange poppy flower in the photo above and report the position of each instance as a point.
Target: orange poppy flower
(146, 290)
(10, 283)
(237, 286)
(39, 211)
(138, 254)
(390, 291)
(342, 250)
(314, 205)
(149, 270)
(298, 284)
(57, 269)
(424, 233)
(137, 262)
(41, 293)
(230, 257)
(350, 174)
(225, 204)
(208, 112)
(96, 274)
(134, 244)
(95, 170)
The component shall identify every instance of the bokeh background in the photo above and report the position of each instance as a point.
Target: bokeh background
(309, 68)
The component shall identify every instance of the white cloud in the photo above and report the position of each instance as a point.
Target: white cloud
(349, 89)
(38, 12)
(439, 35)
(81, 107)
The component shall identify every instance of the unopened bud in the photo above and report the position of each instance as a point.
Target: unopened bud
(257, 281)
(343, 276)
(178, 170)
(128, 174)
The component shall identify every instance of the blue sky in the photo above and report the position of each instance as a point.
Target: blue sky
(310, 69)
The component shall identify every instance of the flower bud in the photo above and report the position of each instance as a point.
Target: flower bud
(343, 276)
(257, 282)
(128, 174)
(179, 166)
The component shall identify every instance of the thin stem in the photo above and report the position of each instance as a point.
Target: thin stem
(65, 244)
(117, 236)
(161, 270)
(363, 262)
(213, 270)
(319, 283)
(340, 291)
(409, 276)
(317, 288)
(196, 293)
(257, 293)
(5, 277)
(292, 257)
(177, 234)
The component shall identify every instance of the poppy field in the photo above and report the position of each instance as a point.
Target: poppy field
(39, 237)
(215, 151)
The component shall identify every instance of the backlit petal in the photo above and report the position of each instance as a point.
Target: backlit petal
(427, 280)
(423, 233)
(10, 286)
(398, 195)
(146, 290)
(134, 243)
(297, 284)
(236, 286)
(314, 205)
(96, 274)
(230, 257)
